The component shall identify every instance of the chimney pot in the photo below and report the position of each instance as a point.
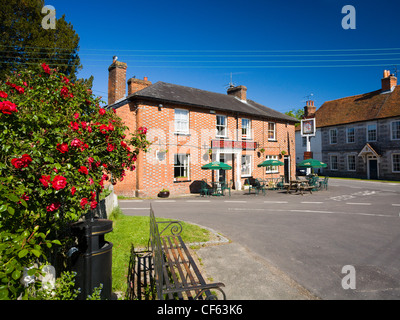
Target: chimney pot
(388, 81)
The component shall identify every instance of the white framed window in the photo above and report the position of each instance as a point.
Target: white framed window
(333, 136)
(395, 130)
(396, 162)
(222, 126)
(181, 165)
(334, 162)
(246, 165)
(351, 162)
(350, 134)
(271, 131)
(371, 132)
(246, 128)
(274, 169)
(181, 121)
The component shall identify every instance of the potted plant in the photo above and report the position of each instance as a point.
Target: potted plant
(164, 193)
(262, 150)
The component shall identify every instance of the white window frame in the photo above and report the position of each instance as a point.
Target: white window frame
(392, 132)
(181, 121)
(348, 162)
(224, 126)
(330, 162)
(274, 169)
(273, 131)
(246, 129)
(393, 169)
(376, 132)
(330, 136)
(247, 164)
(185, 165)
(347, 135)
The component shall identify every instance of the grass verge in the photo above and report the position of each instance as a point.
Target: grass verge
(135, 230)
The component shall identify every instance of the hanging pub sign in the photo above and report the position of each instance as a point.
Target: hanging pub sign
(308, 127)
(229, 144)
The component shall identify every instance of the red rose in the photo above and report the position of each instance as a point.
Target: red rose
(59, 182)
(142, 130)
(110, 127)
(76, 115)
(45, 180)
(103, 129)
(74, 125)
(84, 170)
(3, 94)
(63, 148)
(102, 111)
(93, 205)
(64, 92)
(110, 147)
(76, 143)
(73, 190)
(46, 68)
(84, 202)
(22, 162)
(53, 207)
(7, 107)
(66, 80)
(123, 144)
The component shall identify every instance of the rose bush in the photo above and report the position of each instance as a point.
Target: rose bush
(58, 148)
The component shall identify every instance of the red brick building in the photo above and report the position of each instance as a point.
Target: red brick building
(190, 127)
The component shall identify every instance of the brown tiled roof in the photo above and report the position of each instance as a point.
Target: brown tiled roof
(363, 107)
(167, 92)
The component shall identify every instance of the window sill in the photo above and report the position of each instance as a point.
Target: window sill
(179, 181)
(182, 133)
(272, 140)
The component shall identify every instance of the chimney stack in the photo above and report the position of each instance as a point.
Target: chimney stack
(135, 85)
(116, 81)
(239, 92)
(388, 81)
(309, 109)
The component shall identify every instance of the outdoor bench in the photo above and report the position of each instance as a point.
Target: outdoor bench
(176, 275)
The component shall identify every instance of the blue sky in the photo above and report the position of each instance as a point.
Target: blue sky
(282, 51)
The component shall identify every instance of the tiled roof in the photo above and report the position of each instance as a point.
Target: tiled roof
(363, 107)
(167, 92)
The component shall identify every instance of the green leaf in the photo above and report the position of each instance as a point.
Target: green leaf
(36, 253)
(23, 253)
(3, 208)
(16, 275)
(13, 197)
(10, 210)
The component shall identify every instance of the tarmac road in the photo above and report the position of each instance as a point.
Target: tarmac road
(298, 245)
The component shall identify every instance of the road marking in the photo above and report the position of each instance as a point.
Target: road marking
(312, 202)
(275, 202)
(312, 211)
(236, 201)
(197, 200)
(164, 200)
(396, 204)
(359, 203)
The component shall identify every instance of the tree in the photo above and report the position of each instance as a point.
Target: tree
(298, 114)
(24, 42)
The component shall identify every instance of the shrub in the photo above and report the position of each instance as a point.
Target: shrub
(58, 148)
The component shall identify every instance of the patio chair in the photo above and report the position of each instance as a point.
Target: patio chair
(315, 183)
(226, 186)
(281, 183)
(324, 183)
(259, 185)
(204, 190)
